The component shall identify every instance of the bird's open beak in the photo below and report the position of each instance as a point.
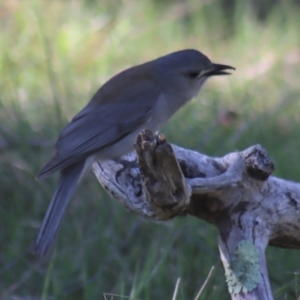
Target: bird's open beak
(219, 70)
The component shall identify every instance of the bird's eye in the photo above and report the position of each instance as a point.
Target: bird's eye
(193, 74)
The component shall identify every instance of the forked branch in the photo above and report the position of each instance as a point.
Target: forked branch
(236, 193)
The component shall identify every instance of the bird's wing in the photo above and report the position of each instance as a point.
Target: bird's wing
(102, 123)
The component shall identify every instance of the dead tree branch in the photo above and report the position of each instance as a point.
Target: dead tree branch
(236, 193)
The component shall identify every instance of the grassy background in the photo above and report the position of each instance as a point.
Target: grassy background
(54, 56)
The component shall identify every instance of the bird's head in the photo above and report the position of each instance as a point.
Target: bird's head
(185, 71)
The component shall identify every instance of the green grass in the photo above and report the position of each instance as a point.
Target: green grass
(53, 57)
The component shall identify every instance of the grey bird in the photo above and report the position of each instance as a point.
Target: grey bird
(141, 97)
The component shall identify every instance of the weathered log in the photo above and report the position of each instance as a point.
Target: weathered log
(236, 193)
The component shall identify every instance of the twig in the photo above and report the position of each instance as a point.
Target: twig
(176, 288)
(205, 282)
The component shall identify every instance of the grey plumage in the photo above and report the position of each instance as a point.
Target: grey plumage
(142, 97)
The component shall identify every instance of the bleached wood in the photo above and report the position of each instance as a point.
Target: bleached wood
(235, 193)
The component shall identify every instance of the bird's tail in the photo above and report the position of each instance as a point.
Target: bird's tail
(69, 177)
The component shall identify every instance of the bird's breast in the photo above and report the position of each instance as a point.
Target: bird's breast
(167, 106)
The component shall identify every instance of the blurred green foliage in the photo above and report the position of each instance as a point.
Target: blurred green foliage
(54, 55)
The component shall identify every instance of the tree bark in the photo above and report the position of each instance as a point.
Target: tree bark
(236, 193)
